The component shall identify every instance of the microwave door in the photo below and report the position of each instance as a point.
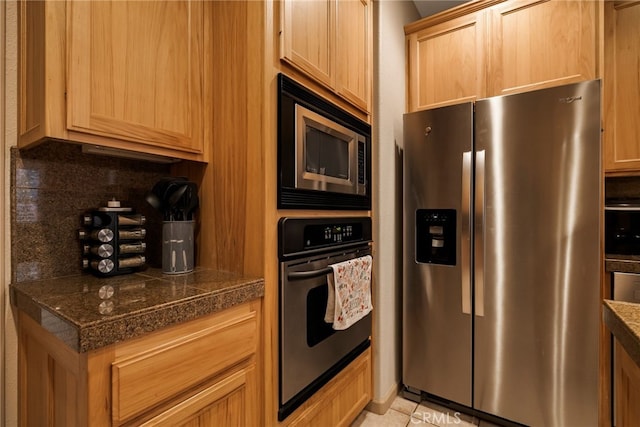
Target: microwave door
(326, 154)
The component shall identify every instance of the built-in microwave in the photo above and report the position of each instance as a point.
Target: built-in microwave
(324, 152)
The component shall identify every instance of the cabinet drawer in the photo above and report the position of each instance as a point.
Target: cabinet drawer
(146, 378)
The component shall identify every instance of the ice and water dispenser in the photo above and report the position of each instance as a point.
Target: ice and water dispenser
(436, 236)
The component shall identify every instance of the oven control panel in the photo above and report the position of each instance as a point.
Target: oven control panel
(318, 235)
(303, 234)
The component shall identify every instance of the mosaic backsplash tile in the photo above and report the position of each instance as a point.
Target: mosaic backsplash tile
(52, 186)
(627, 187)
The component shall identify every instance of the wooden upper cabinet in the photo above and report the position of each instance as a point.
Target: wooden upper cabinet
(447, 62)
(330, 42)
(353, 59)
(308, 37)
(622, 87)
(493, 47)
(536, 44)
(120, 74)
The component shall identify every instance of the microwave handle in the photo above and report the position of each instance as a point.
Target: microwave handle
(302, 275)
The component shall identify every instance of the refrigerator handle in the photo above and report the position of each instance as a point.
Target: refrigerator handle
(479, 233)
(465, 262)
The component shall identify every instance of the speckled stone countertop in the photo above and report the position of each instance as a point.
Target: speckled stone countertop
(88, 312)
(623, 320)
(622, 263)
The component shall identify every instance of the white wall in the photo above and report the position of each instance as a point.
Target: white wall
(8, 121)
(390, 16)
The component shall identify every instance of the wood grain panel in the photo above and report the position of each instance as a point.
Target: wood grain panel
(49, 375)
(340, 401)
(233, 185)
(220, 404)
(622, 87)
(627, 393)
(353, 52)
(447, 63)
(145, 379)
(42, 52)
(135, 71)
(308, 37)
(541, 43)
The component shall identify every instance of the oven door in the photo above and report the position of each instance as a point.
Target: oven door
(311, 351)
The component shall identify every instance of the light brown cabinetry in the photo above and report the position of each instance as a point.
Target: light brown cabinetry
(447, 62)
(341, 400)
(489, 48)
(126, 75)
(200, 373)
(627, 392)
(330, 41)
(622, 87)
(541, 43)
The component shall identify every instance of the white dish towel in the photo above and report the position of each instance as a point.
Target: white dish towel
(349, 292)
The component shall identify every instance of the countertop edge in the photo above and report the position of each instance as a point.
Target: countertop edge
(623, 320)
(622, 264)
(86, 337)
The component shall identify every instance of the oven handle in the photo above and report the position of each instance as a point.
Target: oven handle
(301, 275)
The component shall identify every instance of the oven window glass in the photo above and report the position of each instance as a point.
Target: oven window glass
(326, 154)
(317, 329)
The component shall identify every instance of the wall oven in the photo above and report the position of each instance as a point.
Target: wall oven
(311, 352)
(324, 153)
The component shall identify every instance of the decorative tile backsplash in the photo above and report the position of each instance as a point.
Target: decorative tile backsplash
(625, 187)
(52, 186)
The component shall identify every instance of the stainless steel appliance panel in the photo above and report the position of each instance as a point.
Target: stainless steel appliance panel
(537, 256)
(304, 358)
(437, 297)
(626, 287)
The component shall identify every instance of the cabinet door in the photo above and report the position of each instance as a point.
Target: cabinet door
(353, 52)
(622, 87)
(308, 37)
(627, 392)
(229, 402)
(541, 43)
(135, 71)
(447, 62)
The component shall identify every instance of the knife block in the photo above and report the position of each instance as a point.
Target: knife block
(113, 240)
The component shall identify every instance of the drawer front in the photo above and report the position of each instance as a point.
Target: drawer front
(143, 380)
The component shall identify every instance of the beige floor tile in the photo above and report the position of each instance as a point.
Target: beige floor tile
(403, 405)
(391, 418)
(485, 423)
(431, 413)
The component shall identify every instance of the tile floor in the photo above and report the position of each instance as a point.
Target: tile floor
(405, 413)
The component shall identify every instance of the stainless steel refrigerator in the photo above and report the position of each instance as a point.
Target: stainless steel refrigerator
(501, 265)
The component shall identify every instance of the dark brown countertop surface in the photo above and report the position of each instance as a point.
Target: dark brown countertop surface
(623, 320)
(622, 263)
(87, 312)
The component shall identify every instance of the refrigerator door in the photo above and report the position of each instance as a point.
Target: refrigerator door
(537, 256)
(437, 276)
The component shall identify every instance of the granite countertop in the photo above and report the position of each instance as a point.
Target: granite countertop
(623, 320)
(622, 263)
(87, 312)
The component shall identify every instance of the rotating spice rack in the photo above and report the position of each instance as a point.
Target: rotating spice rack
(113, 240)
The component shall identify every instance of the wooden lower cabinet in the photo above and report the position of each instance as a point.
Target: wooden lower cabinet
(627, 391)
(200, 373)
(341, 400)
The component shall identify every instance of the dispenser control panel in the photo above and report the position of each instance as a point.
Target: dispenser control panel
(436, 236)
